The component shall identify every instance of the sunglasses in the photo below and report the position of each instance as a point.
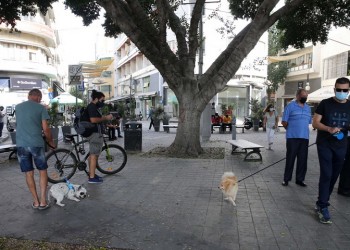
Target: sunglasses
(341, 90)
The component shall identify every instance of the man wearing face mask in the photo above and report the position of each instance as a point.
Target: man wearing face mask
(296, 119)
(96, 138)
(332, 120)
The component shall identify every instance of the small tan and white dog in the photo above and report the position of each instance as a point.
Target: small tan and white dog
(229, 186)
(72, 192)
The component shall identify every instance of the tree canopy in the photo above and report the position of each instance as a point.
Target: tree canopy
(147, 23)
(276, 72)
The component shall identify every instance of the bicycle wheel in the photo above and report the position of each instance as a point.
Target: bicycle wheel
(62, 165)
(112, 159)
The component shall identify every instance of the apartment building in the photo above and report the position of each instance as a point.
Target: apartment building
(28, 58)
(315, 68)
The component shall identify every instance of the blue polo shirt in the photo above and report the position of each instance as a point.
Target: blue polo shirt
(298, 119)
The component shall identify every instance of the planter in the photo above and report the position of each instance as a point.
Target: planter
(54, 134)
(66, 130)
(156, 125)
(256, 124)
(166, 122)
(123, 122)
(13, 137)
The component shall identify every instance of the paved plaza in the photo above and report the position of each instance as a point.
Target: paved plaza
(171, 203)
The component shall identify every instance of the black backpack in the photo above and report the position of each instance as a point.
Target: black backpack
(82, 124)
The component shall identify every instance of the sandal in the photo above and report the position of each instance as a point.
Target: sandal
(34, 207)
(44, 207)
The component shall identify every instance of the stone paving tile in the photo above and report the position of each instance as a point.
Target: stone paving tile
(170, 203)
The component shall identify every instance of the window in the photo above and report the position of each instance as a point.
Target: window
(105, 88)
(335, 66)
(106, 74)
(32, 56)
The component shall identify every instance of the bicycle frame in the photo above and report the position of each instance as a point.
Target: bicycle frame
(66, 160)
(74, 148)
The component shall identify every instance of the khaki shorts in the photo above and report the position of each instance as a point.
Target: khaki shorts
(95, 143)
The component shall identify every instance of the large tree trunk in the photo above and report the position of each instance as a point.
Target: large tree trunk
(187, 140)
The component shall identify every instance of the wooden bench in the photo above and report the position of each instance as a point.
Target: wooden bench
(167, 127)
(227, 126)
(250, 149)
(9, 148)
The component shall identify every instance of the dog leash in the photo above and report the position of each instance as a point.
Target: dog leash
(269, 166)
(339, 135)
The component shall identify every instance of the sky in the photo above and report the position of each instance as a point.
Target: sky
(77, 42)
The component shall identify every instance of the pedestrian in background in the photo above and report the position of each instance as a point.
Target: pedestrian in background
(296, 119)
(150, 114)
(270, 123)
(332, 117)
(2, 118)
(31, 118)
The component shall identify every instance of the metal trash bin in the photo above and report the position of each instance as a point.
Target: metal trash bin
(133, 136)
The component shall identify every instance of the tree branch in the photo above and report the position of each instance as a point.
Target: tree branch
(179, 30)
(193, 30)
(162, 14)
(222, 70)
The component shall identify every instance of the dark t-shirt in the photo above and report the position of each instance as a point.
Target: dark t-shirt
(334, 114)
(93, 111)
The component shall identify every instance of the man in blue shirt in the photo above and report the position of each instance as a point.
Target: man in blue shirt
(31, 119)
(296, 119)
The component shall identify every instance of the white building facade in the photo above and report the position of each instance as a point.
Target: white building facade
(28, 58)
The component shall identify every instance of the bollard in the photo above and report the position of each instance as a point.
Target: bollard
(233, 131)
(233, 128)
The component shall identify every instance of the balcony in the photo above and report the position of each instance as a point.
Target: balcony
(28, 67)
(36, 29)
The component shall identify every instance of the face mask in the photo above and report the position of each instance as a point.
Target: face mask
(341, 96)
(272, 109)
(303, 99)
(100, 104)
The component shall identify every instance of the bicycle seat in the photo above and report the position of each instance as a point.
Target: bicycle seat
(70, 136)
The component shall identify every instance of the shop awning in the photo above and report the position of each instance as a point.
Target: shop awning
(320, 94)
(288, 96)
(95, 68)
(58, 86)
(117, 99)
(145, 94)
(66, 98)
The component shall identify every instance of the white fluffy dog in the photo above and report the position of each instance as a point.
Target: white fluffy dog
(229, 186)
(68, 190)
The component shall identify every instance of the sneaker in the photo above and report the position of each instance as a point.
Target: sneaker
(95, 180)
(323, 215)
(98, 177)
(120, 136)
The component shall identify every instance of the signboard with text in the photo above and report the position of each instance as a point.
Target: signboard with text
(75, 74)
(25, 83)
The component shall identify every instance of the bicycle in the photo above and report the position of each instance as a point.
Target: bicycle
(63, 163)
